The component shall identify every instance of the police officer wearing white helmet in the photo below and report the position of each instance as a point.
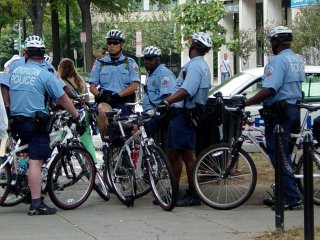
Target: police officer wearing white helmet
(16, 62)
(281, 91)
(118, 79)
(30, 85)
(191, 94)
(160, 83)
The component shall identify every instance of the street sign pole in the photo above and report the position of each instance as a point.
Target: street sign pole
(139, 48)
(83, 40)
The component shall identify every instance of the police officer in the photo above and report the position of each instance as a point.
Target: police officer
(160, 83)
(29, 84)
(118, 79)
(4, 80)
(193, 85)
(281, 90)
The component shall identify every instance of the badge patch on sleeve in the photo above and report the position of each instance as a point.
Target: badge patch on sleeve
(165, 82)
(136, 68)
(268, 73)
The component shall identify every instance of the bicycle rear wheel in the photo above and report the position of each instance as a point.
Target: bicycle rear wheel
(5, 183)
(71, 177)
(162, 179)
(221, 190)
(316, 175)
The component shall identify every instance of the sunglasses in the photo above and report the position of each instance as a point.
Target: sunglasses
(113, 42)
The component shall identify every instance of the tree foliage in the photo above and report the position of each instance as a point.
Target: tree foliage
(243, 45)
(306, 29)
(199, 15)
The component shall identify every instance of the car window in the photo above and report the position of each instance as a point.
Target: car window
(253, 89)
(311, 87)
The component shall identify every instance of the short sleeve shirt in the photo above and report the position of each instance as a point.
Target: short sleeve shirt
(195, 78)
(160, 84)
(9, 69)
(285, 74)
(114, 75)
(28, 85)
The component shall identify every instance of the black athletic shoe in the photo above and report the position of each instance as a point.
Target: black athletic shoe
(293, 206)
(43, 209)
(269, 202)
(188, 201)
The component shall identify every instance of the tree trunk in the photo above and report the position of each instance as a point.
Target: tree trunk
(55, 33)
(36, 12)
(87, 28)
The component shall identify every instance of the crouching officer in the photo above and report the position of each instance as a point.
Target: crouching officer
(118, 79)
(281, 91)
(193, 86)
(160, 83)
(29, 88)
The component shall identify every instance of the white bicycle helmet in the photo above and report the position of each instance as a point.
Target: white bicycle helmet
(203, 38)
(151, 51)
(279, 31)
(47, 59)
(115, 34)
(34, 42)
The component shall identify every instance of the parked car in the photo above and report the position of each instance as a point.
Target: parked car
(249, 82)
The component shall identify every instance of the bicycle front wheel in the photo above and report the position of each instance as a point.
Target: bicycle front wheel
(5, 183)
(218, 188)
(71, 177)
(162, 179)
(100, 187)
(316, 175)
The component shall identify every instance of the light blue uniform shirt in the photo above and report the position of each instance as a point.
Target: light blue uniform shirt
(114, 77)
(28, 85)
(19, 62)
(195, 78)
(285, 74)
(9, 69)
(160, 84)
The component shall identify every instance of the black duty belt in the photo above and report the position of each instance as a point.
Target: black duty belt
(20, 118)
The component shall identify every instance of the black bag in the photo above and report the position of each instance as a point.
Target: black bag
(113, 134)
(43, 122)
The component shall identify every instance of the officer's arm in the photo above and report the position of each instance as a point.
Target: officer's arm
(94, 90)
(181, 94)
(260, 96)
(129, 90)
(66, 103)
(5, 95)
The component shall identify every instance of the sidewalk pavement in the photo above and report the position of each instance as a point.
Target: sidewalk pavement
(100, 220)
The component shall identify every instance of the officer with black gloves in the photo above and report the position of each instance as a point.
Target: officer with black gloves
(118, 79)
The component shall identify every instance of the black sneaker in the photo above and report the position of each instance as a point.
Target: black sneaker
(269, 202)
(43, 209)
(293, 206)
(188, 201)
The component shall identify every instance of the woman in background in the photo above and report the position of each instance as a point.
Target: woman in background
(77, 85)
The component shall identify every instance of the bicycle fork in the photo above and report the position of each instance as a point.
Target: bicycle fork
(232, 161)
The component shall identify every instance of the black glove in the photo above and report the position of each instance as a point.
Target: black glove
(80, 126)
(99, 98)
(163, 107)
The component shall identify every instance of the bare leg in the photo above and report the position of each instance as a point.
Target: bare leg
(34, 178)
(176, 162)
(102, 118)
(189, 160)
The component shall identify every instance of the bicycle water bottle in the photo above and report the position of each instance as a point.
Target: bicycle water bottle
(23, 164)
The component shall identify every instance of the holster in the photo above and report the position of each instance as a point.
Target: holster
(43, 122)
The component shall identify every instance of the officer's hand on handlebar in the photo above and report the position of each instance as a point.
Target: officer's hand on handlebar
(80, 125)
(99, 98)
(163, 107)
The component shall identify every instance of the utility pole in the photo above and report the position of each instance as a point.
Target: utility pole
(68, 28)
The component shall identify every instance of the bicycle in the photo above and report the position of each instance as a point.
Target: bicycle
(134, 159)
(225, 175)
(69, 168)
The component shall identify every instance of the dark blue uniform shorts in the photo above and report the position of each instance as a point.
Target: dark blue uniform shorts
(181, 136)
(39, 144)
